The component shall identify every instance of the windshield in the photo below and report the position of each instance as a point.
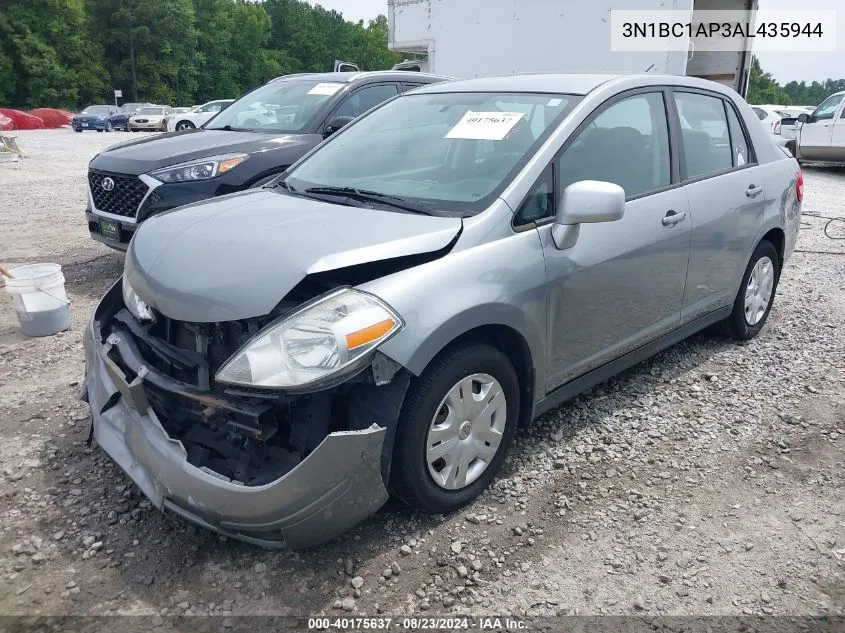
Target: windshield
(131, 107)
(280, 106)
(99, 109)
(451, 152)
(151, 111)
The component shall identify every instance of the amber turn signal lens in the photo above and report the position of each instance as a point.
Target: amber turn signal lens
(369, 334)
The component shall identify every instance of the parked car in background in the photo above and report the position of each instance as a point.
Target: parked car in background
(150, 118)
(243, 146)
(772, 117)
(195, 117)
(95, 117)
(120, 121)
(385, 315)
(821, 135)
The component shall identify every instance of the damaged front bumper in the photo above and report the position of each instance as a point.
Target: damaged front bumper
(335, 487)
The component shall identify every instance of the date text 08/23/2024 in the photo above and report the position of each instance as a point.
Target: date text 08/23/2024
(417, 624)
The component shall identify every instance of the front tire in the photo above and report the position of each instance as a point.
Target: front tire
(456, 425)
(184, 125)
(756, 294)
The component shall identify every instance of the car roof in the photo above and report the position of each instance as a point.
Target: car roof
(571, 83)
(576, 83)
(352, 77)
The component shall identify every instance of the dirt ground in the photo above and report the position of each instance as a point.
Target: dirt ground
(705, 481)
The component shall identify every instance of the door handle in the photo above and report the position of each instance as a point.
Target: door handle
(673, 217)
(753, 191)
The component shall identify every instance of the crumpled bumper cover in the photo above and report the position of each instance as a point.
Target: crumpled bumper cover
(338, 485)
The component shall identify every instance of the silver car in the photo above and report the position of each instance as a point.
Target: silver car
(382, 317)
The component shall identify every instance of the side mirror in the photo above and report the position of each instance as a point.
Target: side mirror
(587, 201)
(335, 124)
(803, 118)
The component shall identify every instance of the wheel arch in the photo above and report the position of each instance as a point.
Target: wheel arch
(509, 337)
(777, 236)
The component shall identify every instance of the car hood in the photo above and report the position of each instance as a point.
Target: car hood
(140, 156)
(237, 256)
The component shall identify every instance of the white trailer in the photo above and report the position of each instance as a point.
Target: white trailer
(478, 38)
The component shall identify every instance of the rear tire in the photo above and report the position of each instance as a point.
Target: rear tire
(756, 294)
(465, 406)
(75, 130)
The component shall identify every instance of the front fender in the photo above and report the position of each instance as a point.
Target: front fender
(501, 282)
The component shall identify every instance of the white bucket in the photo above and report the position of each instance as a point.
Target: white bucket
(38, 291)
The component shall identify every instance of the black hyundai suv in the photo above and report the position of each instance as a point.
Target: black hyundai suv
(247, 144)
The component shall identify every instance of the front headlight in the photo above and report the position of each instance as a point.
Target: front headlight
(319, 345)
(202, 169)
(135, 304)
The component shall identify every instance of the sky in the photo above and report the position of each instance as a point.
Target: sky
(785, 67)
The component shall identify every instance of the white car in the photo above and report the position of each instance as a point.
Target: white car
(196, 117)
(772, 115)
(261, 114)
(821, 135)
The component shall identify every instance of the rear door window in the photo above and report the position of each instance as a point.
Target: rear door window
(707, 142)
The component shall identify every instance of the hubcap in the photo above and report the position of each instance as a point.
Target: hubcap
(758, 293)
(466, 431)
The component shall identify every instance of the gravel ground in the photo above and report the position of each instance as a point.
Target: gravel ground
(707, 480)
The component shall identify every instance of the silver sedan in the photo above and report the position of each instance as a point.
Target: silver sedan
(380, 320)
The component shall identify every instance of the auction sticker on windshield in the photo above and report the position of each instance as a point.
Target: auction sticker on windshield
(485, 126)
(325, 89)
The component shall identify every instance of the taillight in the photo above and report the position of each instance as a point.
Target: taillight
(799, 185)
(776, 129)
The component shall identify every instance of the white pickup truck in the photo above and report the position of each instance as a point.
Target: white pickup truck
(821, 135)
(477, 38)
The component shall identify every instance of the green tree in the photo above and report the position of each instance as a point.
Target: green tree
(815, 93)
(762, 87)
(46, 56)
(150, 46)
(73, 52)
